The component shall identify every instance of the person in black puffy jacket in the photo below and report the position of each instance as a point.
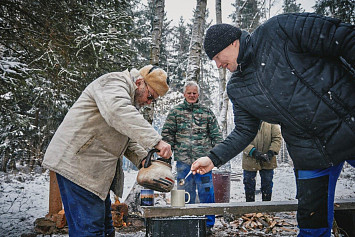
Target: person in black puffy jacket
(296, 70)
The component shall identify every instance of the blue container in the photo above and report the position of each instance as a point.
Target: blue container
(147, 197)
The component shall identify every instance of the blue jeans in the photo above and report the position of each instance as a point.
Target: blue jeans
(86, 214)
(250, 183)
(315, 194)
(203, 183)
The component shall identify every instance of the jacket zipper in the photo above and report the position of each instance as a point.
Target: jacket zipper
(318, 142)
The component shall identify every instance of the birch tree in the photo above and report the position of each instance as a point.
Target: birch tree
(223, 104)
(158, 20)
(194, 60)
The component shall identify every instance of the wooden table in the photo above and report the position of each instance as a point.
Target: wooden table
(234, 208)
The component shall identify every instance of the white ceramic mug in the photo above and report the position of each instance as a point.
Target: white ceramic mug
(178, 198)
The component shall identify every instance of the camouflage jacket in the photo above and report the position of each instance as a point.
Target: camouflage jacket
(191, 130)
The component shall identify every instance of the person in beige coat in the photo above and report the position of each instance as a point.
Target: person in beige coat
(260, 155)
(87, 149)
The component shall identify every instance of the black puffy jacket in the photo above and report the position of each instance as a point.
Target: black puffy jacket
(296, 70)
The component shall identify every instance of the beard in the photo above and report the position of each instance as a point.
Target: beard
(138, 95)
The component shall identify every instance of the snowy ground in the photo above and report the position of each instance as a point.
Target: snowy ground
(24, 196)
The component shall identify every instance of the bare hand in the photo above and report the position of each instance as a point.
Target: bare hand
(164, 149)
(202, 165)
(143, 162)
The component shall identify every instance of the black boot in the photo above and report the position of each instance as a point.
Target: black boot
(266, 196)
(112, 234)
(250, 197)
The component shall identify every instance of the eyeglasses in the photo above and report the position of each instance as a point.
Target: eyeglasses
(150, 96)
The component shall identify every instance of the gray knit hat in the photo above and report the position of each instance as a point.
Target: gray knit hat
(218, 37)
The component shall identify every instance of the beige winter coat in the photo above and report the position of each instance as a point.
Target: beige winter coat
(101, 127)
(267, 138)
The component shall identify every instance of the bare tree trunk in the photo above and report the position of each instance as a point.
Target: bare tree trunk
(223, 114)
(218, 11)
(223, 104)
(193, 70)
(12, 164)
(157, 31)
(5, 160)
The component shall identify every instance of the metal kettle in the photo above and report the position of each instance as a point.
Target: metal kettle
(156, 174)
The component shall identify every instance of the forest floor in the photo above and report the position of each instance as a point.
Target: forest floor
(24, 197)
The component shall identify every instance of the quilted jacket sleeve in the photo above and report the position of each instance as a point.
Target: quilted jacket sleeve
(319, 35)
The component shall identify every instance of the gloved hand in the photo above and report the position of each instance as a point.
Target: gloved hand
(267, 156)
(264, 157)
(255, 153)
(261, 157)
(270, 154)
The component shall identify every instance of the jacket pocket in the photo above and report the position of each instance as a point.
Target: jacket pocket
(86, 145)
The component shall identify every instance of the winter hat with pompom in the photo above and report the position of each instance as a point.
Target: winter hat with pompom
(218, 37)
(156, 78)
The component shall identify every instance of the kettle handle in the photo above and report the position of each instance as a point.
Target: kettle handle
(148, 158)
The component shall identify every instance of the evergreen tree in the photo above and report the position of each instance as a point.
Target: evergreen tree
(291, 6)
(143, 15)
(341, 9)
(180, 41)
(50, 51)
(247, 14)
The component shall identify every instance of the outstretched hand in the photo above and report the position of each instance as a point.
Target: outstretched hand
(202, 165)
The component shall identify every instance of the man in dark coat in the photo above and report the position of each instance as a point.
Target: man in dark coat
(296, 70)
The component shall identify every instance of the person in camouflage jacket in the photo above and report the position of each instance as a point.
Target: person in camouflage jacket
(192, 130)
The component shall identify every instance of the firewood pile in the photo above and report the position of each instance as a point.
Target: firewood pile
(266, 223)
